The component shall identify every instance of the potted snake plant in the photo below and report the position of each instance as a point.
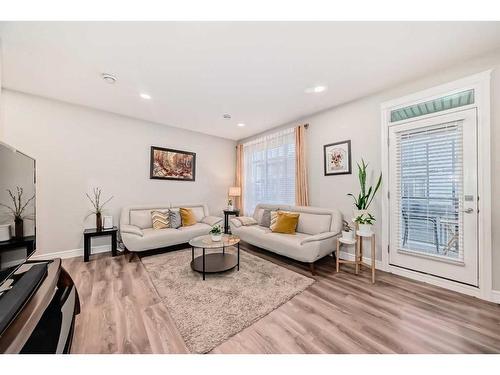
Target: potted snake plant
(365, 197)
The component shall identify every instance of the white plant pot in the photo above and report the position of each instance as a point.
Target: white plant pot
(348, 235)
(365, 228)
(4, 232)
(230, 207)
(216, 237)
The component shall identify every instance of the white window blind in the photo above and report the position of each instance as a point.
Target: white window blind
(269, 170)
(429, 181)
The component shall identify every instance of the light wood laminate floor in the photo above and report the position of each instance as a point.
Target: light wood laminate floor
(340, 313)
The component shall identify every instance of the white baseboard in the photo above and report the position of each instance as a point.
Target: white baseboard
(348, 256)
(495, 296)
(70, 253)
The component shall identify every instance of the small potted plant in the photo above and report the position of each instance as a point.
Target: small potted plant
(347, 231)
(230, 206)
(365, 222)
(216, 233)
(97, 208)
(17, 210)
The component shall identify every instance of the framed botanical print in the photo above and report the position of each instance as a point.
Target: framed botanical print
(170, 164)
(337, 158)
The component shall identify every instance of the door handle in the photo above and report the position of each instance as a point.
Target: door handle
(468, 210)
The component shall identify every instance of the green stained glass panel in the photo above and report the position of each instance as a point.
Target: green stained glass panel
(437, 105)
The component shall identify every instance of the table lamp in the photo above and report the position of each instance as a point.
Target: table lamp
(234, 191)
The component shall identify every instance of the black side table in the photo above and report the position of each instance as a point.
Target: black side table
(226, 219)
(87, 238)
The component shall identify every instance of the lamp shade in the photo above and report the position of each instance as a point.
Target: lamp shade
(234, 191)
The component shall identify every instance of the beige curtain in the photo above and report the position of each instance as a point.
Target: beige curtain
(239, 176)
(301, 191)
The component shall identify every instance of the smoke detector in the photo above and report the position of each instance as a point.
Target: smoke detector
(109, 78)
(226, 116)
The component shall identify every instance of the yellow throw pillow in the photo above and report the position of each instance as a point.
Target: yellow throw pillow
(187, 217)
(286, 222)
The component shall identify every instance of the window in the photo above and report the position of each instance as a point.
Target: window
(437, 105)
(269, 170)
(429, 177)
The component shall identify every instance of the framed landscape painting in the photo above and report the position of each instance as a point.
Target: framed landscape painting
(337, 158)
(169, 164)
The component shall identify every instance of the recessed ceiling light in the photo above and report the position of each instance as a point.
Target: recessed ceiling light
(145, 96)
(109, 78)
(315, 89)
(241, 124)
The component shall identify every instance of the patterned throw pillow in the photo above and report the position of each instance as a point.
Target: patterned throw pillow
(265, 220)
(274, 217)
(175, 219)
(161, 219)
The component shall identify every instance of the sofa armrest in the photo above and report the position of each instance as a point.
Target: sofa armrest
(319, 237)
(235, 222)
(131, 229)
(211, 220)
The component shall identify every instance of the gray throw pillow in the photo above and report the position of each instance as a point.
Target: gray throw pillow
(265, 220)
(175, 219)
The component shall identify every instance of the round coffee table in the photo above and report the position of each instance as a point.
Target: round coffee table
(214, 262)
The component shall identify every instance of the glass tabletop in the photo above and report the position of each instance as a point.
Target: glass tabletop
(207, 243)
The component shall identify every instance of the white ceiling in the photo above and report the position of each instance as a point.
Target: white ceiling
(257, 72)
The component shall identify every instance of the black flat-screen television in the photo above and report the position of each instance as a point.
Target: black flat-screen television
(17, 198)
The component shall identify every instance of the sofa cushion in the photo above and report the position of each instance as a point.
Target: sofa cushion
(314, 223)
(158, 238)
(175, 218)
(195, 230)
(141, 218)
(160, 219)
(286, 222)
(246, 220)
(187, 217)
(265, 219)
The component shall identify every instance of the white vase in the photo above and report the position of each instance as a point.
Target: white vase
(4, 232)
(230, 207)
(365, 228)
(216, 237)
(348, 235)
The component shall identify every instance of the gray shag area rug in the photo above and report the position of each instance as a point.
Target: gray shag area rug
(209, 312)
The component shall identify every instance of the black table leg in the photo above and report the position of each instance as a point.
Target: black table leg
(113, 244)
(238, 256)
(86, 249)
(192, 253)
(203, 263)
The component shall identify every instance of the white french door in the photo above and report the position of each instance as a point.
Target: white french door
(433, 196)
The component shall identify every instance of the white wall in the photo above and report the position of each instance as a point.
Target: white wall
(360, 121)
(77, 148)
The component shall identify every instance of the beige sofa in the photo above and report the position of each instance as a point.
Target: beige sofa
(316, 235)
(137, 233)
